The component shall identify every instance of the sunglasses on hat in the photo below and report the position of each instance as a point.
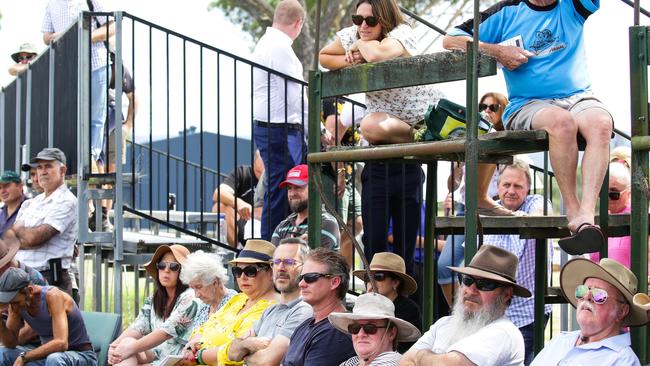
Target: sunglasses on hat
(355, 328)
(493, 107)
(312, 277)
(173, 266)
(481, 284)
(249, 271)
(371, 21)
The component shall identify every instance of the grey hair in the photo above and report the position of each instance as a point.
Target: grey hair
(303, 248)
(206, 267)
(521, 165)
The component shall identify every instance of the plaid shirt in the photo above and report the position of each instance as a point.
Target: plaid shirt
(522, 310)
(60, 14)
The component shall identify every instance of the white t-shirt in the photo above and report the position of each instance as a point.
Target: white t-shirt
(497, 344)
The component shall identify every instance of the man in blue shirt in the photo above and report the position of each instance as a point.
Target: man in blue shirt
(603, 297)
(11, 193)
(540, 44)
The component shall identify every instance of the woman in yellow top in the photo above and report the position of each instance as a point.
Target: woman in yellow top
(209, 343)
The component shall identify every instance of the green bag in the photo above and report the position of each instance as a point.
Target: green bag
(449, 120)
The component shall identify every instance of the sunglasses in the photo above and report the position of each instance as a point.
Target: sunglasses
(597, 294)
(249, 271)
(355, 328)
(614, 195)
(312, 277)
(25, 58)
(493, 107)
(481, 284)
(377, 276)
(371, 21)
(173, 266)
(289, 262)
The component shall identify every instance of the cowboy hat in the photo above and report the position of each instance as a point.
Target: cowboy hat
(9, 246)
(576, 271)
(255, 251)
(179, 252)
(393, 263)
(495, 264)
(375, 306)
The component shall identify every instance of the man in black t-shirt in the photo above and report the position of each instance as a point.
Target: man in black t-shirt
(235, 197)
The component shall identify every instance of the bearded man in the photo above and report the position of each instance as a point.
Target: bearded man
(477, 332)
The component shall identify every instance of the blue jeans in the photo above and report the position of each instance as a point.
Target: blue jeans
(98, 85)
(528, 332)
(70, 358)
(453, 254)
(280, 152)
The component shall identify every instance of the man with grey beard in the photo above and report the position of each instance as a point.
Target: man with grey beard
(268, 340)
(477, 332)
(295, 225)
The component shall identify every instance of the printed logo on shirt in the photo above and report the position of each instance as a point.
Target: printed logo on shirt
(545, 43)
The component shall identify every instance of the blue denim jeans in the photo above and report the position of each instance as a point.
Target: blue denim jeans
(98, 86)
(70, 358)
(453, 254)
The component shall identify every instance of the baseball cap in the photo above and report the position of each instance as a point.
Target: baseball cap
(12, 281)
(27, 167)
(9, 176)
(50, 153)
(297, 176)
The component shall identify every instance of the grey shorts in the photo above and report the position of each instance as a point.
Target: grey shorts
(522, 119)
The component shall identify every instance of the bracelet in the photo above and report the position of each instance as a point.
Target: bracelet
(199, 356)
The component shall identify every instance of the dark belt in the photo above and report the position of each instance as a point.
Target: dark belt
(81, 347)
(291, 126)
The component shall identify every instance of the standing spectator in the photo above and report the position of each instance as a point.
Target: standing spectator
(46, 225)
(11, 193)
(543, 96)
(32, 184)
(295, 225)
(59, 15)
(25, 54)
(279, 116)
(235, 198)
(323, 284)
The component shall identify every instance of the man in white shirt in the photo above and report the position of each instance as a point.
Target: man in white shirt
(477, 332)
(46, 226)
(279, 115)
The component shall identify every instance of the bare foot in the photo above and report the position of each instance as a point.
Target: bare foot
(575, 222)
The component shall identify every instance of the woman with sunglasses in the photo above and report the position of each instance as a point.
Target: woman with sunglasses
(210, 342)
(166, 317)
(375, 331)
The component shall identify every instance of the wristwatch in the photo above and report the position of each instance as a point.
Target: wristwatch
(22, 355)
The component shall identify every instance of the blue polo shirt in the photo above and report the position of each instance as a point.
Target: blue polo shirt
(7, 221)
(318, 344)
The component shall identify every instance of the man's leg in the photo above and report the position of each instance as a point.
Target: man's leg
(406, 182)
(72, 358)
(374, 208)
(8, 356)
(99, 83)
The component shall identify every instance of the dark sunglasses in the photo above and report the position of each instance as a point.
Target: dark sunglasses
(355, 328)
(481, 284)
(493, 107)
(249, 271)
(25, 58)
(289, 262)
(371, 21)
(173, 266)
(615, 196)
(378, 276)
(312, 277)
(597, 294)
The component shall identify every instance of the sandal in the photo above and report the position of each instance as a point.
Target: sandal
(587, 239)
(496, 210)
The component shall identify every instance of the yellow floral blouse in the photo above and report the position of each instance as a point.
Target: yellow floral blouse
(228, 323)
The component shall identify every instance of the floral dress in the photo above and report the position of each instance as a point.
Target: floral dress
(408, 104)
(178, 325)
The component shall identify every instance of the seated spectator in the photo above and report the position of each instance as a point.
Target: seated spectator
(388, 270)
(477, 332)
(210, 342)
(25, 54)
(602, 294)
(50, 313)
(323, 284)
(46, 225)
(166, 317)
(295, 225)
(206, 275)
(621, 154)
(375, 331)
(235, 198)
(9, 246)
(11, 193)
(268, 340)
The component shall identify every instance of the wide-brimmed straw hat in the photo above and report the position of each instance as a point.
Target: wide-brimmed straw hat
(576, 271)
(495, 264)
(393, 263)
(8, 248)
(179, 252)
(255, 251)
(375, 306)
(643, 301)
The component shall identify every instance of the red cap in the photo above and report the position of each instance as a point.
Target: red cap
(297, 176)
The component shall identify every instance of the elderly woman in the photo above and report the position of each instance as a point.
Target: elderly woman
(166, 317)
(375, 330)
(206, 275)
(387, 269)
(209, 343)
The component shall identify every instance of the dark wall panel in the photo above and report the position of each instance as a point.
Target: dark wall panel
(40, 79)
(10, 127)
(65, 97)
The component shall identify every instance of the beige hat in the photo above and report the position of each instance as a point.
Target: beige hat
(179, 252)
(24, 48)
(375, 306)
(496, 264)
(393, 263)
(255, 251)
(576, 271)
